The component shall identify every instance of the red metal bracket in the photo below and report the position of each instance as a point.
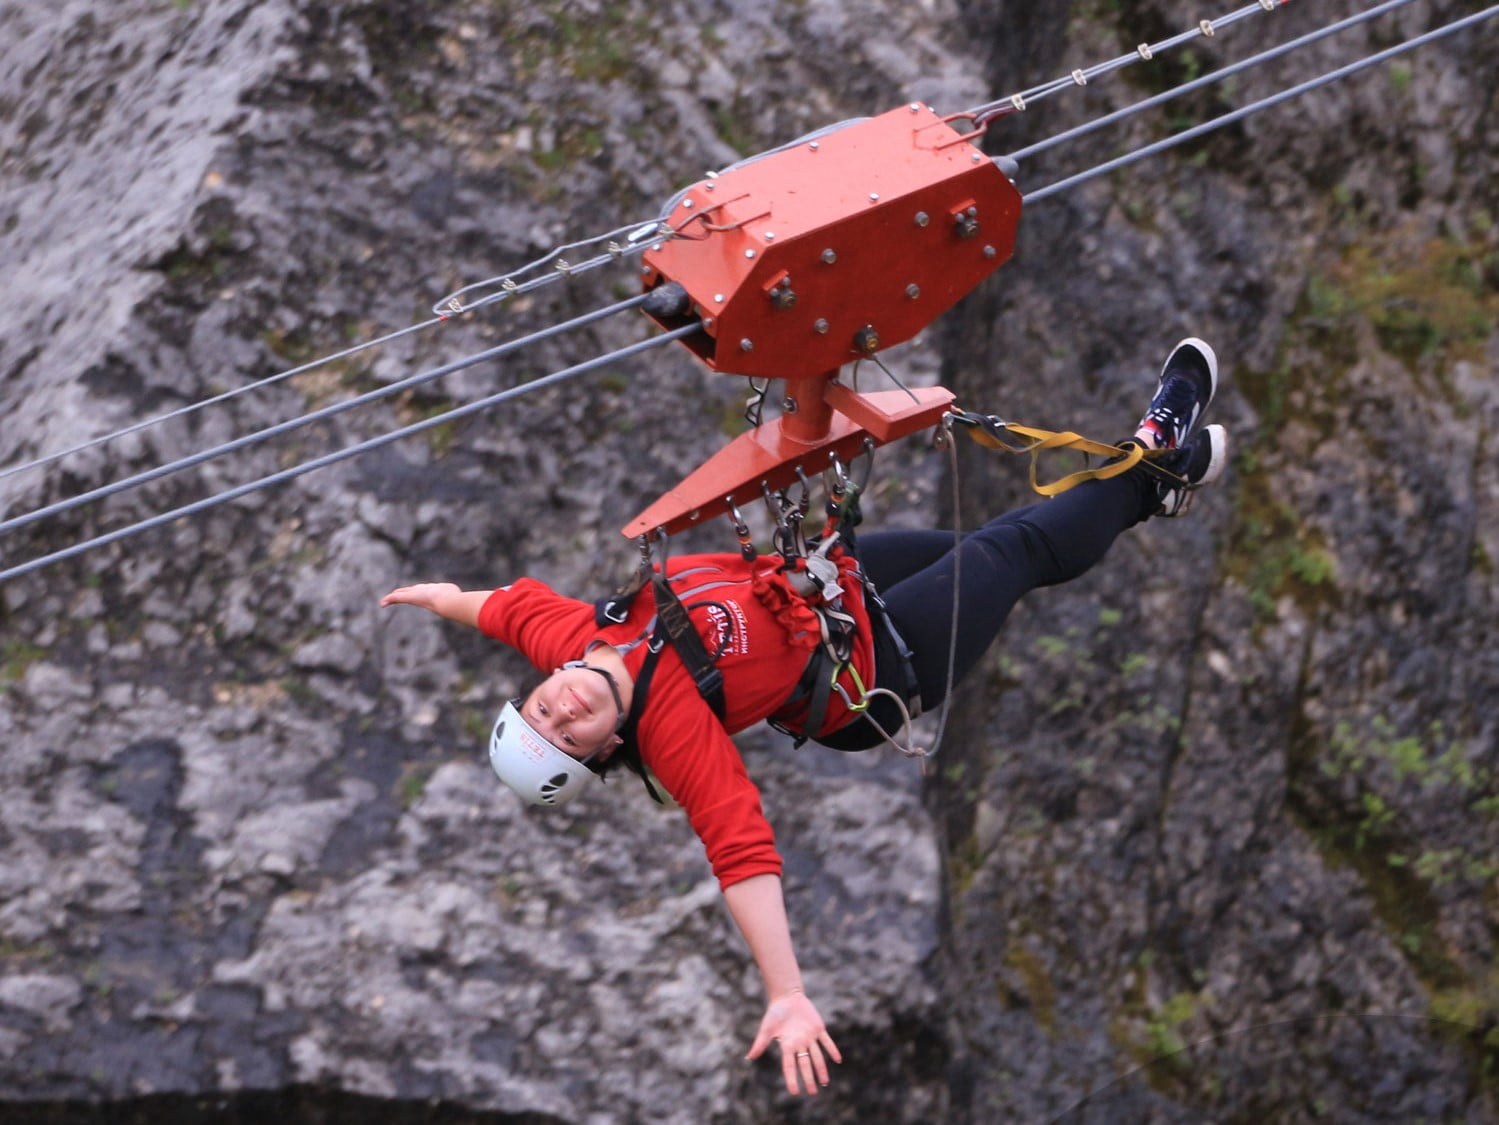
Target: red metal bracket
(820, 254)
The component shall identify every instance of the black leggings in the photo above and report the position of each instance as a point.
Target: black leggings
(1042, 544)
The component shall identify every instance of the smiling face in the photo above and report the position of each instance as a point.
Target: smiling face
(574, 710)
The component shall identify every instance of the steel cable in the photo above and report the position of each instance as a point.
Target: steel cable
(1264, 103)
(329, 411)
(1144, 52)
(444, 311)
(1207, 79)
(343, 454)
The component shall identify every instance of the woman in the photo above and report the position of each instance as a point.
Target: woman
(614, 680)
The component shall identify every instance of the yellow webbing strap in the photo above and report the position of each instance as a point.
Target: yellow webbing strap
(987, 430)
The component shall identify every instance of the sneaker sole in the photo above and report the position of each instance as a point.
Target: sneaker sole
(1218, 440)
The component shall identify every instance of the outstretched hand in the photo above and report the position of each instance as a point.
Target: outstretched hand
(792, 1022)
(427, 595)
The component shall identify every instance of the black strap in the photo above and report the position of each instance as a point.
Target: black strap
(672, 622)
(674, 627)
(629, 748)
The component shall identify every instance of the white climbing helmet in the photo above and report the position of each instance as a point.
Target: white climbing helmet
(529, 764)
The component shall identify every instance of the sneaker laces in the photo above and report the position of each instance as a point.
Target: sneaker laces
(1171, 407)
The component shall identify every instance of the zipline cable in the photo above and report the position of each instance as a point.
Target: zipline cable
(1207, 79)
(352, 451)
(638, 235)
(329, 411)
(1143, 53)
(135, 427)
(1036, 196)
(1255, 107)
(444, 311)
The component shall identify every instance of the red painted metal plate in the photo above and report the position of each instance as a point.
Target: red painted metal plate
(868, 226)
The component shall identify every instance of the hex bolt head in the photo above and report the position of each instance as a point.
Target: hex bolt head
(913, 291)
(922, 218)
(746, 345)
(820, 326)
(829, 256)
(990, 252)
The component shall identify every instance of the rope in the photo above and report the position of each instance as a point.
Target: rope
(1206, 80)
(343, 454)
(1263, 103)
(317, 415)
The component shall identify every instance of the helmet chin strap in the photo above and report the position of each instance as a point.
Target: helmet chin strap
(619, 703)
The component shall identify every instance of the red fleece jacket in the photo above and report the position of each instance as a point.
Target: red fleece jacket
(766, 634)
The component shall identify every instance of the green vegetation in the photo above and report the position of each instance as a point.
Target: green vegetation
(16, 656)
(1040, 992)
(413, 783)
(1438, 298)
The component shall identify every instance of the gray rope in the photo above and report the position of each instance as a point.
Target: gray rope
(343, 454)
(1207, 79)
(1264, 103)
(317, 415)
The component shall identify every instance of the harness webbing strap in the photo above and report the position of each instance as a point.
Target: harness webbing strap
(988, 431)
(672, 621)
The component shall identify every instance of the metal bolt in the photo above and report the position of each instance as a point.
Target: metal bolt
(915, 108)
(770, 236)
(829, 256)
(913, 291)
(874, 197)
(746, 345)
(686, 203)
(646, 270)
(749, 253)
(708, 187)
(718, 297)
(990, 252)
(707, 322)
(814, 146)
(976, 157)
(820, 326)
(788, 404)
(867, 340)
(922, 218)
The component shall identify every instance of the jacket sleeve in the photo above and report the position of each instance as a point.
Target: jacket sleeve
(688, 750)
(547, 628)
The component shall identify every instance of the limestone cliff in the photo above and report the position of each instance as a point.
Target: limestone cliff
(1213, 835)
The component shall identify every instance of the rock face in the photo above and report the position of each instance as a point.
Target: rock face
(1213, 834)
